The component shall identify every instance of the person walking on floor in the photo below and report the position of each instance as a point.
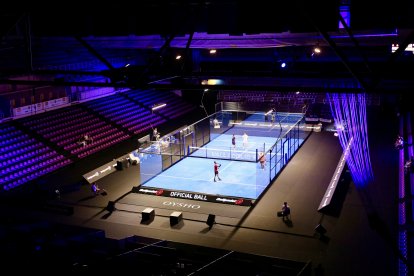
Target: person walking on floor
(233, 141)
(399, 143)
(285, 211)
(216, 171)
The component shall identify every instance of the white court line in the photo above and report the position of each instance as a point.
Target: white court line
(195, 179)
(172, 176)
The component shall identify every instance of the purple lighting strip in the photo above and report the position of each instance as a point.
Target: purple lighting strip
(349, 112)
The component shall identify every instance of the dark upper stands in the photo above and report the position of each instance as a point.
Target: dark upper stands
(128, 114)
(174, 108)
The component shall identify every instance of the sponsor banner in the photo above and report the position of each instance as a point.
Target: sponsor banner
(100, 172)
(195, 196)
(23, 110)
(181, 204)
(103, 170)
(39, 107)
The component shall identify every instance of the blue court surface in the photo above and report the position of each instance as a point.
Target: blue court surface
(223, 143)
(238, 178)
(241, 175)
(195, 174)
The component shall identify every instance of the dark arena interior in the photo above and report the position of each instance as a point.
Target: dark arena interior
(108, 116)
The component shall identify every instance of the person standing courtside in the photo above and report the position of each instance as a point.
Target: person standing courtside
(155, 134)
(262, 160)
(216, 171)
(233, 141)
(245, 140)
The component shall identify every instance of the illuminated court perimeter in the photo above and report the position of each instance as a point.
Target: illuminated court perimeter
(181, 164)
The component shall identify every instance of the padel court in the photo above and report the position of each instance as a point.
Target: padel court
(243, 177)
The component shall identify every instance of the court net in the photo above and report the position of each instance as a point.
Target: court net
(254, 129)
(229, 154)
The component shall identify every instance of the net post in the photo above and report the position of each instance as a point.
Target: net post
(270, 165)
(257, 155)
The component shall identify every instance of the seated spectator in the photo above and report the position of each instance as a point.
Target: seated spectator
(88, 139)
(408, 166)
(96, 190)
(85, 140)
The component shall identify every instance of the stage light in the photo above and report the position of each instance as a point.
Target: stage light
(212, 82)
(158, 106)
(178, 57)
(410, 48)
(283, 64)
(213, 51)
(316, 50)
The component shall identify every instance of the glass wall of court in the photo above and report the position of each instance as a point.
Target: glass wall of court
(277, 136)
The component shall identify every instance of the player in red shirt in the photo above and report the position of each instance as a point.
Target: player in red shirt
(216, 171)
